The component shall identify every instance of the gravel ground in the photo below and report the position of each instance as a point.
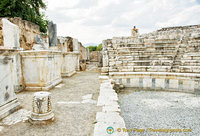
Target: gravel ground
(150, 110)
(73, 118)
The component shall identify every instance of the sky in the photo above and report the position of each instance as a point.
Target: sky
(91, 21)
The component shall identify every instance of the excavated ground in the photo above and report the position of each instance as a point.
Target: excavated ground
(160, 110)
(74, 116)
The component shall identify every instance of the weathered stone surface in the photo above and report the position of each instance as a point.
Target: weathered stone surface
(42, 108)
(96, 56)
(76, 46)
(68, 64)
(8, 99)
(169, 50)
(21, 115)
(11, 34)
(88, 96)
(109, 117)
(28, 32)
(111, 108)
(52, 30)
(45, 67)
(39, 40)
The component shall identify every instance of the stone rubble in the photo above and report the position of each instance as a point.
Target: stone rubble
(18, 116)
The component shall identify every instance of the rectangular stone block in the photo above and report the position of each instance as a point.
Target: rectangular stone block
(8, 99)
(160, 83)
(41, 69)
(173, 84)
(147, 82)
(134, 82)
(11, 34)
(68, 64)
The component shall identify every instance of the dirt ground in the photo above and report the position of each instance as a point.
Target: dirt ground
(73, 118)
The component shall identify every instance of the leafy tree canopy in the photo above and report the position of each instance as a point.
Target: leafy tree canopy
(26, 9)
(95, 48)
(92, 48)
(99, 48)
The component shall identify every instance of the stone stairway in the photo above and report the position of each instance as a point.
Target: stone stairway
(175, 49)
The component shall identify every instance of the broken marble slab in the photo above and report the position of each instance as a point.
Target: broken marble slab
(60, 86)
(21, 115)
(88, 96)
(89, 101)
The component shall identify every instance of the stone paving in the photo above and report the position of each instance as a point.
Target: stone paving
(110, 114)
(74, 106)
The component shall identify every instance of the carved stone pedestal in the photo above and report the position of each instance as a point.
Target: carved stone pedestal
(42, 109)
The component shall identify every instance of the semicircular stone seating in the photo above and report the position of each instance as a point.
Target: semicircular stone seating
(168, 59)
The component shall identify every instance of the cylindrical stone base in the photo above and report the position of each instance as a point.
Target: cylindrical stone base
(42, 109)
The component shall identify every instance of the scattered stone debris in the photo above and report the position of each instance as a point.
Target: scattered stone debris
(88, 96)
(60, 86)
(18, 116)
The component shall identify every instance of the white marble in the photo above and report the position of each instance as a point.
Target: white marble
(69, 61)
(8, 99)
(11, 34)
(41, 69)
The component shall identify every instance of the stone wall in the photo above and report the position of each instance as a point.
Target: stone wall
(83, 52)
(168, 50)
(1, 33)
(28, 32)
(94, 56)
(70, 48)
(83, 57)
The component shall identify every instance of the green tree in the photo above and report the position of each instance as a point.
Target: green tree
(99, 48)
(92, 48)
(26, 9)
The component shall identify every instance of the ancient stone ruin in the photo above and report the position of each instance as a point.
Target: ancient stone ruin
(165, 59)
(32, 62)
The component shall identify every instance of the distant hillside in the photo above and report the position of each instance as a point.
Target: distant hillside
(90, 44)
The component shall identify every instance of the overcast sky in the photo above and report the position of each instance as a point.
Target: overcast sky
(91, 21)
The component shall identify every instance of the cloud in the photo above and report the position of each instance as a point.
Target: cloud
(96, 20)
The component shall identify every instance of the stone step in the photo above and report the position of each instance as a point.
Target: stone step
(144, 54)
(144, 68)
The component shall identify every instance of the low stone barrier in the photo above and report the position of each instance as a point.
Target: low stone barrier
(109, 120)
(183, 82)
